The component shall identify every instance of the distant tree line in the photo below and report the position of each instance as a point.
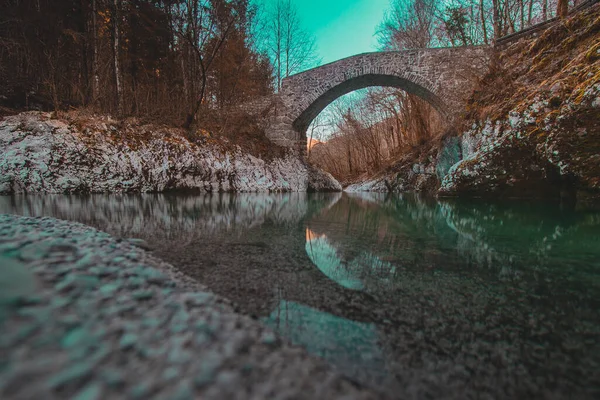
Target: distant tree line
(172, 60)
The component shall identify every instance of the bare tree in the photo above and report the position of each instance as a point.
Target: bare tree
(203, 25)
(408, 25)
(116, 62)
(562, 8)
(95, 72)
(290, 47)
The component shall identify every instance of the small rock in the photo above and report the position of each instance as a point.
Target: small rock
(69, 321)
(142, 295)
(135, 282)
(142, 390)
(153, 276)
(142, 244)
(92, 391)
(109, 288)
(151, 322)
(113, 377)
(183, 392)
(204, 377)
(72, 281)
(127, 341)
(177, 355)
(15, 281)
(268, 338)
(227, 379)
(75, 372)
(170, 373)
(74, 338)
(198, 299)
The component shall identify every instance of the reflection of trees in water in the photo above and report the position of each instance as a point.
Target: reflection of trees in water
(512, 241)
(164, 215)
(522, 238)
(394, 236)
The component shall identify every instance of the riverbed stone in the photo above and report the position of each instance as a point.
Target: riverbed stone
(75, 337)
(141, 243)
(92, 391)
(16, 282)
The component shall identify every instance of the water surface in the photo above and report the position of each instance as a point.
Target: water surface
(415, 297)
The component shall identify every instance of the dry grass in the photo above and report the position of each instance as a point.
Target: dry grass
(135, 132)
(565, 54)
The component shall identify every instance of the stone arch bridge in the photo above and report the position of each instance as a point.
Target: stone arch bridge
(441, 76)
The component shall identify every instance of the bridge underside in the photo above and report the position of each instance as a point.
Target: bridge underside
(304, 119)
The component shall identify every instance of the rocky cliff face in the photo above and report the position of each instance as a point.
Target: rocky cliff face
(516, 158)
(39, 154)
(415, 171)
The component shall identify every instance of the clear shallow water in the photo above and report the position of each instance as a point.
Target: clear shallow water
(412, 296)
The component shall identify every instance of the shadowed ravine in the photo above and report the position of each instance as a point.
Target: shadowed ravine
(469, 297)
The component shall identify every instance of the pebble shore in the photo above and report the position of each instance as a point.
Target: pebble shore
(84, 315)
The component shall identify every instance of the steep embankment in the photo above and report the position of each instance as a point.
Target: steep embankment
(531, 129)
(39, 154)
(534, 126)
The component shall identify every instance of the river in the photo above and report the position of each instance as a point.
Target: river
(394, 290)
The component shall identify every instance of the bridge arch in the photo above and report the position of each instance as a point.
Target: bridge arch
(348, 85)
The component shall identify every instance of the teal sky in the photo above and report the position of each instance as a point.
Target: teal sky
(342, 28)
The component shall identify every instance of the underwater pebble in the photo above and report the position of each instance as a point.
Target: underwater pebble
(91, 392)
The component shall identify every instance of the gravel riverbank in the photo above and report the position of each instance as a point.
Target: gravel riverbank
(84, 315)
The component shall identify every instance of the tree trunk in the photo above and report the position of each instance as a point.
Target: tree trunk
(184, 75)
(522, 8)
(189, 121)
(530, 12)
(496, 16)
(95, 78)
(483, 24)
(116, 63)
(192, 115)
(278, 58)
(508, 23)
(562, 8)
